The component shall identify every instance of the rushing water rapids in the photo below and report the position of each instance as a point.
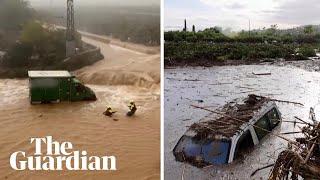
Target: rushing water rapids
(213, 87)
(116, 80)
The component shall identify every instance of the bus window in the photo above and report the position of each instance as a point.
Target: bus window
(244, 144)
(273, 117)
(79, 88)
(263, 123)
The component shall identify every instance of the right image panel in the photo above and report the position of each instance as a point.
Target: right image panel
(241, 89)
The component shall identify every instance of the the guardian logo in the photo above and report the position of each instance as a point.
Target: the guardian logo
(59, 156)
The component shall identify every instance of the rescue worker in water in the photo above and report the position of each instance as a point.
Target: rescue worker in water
(132, 108)
(109, 112)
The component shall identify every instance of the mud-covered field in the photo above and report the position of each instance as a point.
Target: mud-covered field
(116, 80)
(217, 85)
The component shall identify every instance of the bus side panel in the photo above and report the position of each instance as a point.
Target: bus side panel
(44, 89)
(51, 89)
(36, 91)
(64, 89)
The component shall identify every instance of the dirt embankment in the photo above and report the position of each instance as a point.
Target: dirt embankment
(207, 62)
(313, 64)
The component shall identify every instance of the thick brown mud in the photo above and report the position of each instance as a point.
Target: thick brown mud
(135, 141)
(127, 68)
(215, 86)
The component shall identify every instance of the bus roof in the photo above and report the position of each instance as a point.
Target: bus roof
(234, 116)
(44, 74)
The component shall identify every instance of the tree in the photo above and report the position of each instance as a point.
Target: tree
(272, 30)
(14, 13)
(308, 29)
(215, 29)
(33, 33)
(19, 55)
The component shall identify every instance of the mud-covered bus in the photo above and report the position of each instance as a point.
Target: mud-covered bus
(56, 86)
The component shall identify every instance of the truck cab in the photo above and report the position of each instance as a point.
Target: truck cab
(57, 86)
(81, 92)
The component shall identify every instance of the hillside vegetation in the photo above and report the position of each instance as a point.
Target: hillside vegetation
(211, 45)
(27, 43)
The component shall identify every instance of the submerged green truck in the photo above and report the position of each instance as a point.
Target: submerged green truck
(56, 86)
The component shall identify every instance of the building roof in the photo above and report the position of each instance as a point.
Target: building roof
(43, 74)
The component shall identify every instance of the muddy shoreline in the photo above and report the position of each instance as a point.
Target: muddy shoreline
(206, 63)
(309, 65)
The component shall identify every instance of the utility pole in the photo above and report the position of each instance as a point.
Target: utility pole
(70, 33)
(249, 28)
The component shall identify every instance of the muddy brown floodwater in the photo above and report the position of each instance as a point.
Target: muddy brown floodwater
(116, 80)
(218, 85)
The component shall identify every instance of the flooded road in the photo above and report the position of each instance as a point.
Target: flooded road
(218, 85)
(122, 67)
(134, 141)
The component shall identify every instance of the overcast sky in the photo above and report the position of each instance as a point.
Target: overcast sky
(236, 13)
(95, 2)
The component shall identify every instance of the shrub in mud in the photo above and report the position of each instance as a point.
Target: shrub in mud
(192, 52)
(211, 46)
(307, 51)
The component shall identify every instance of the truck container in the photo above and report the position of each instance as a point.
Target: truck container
(56, 86)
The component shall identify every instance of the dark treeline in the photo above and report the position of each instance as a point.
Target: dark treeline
(26, 43)
(132, 24)
(13, 15)
(259, 36)
(212, 45)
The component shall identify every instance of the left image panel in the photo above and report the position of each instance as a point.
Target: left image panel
(80, 89)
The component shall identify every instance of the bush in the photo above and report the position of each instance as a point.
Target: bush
(242, 37)
(231, 51)
(19, 55)
(46, 46)
(307, 51)
(14, 13)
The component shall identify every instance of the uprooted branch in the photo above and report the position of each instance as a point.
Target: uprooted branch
(302, 160)
(283, 101)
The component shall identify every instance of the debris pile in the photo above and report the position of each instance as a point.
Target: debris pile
(232, 116)
(302, 157)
